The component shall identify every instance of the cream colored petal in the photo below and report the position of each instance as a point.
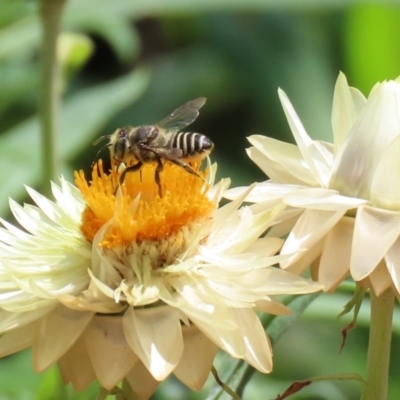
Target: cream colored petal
(321, 199)
(16, 340)
(12, 320)
(262, 192)
(347, 104)
(75, 366)
(306, 259)
(111, 356)
(258, 348)
(392, 259)
(380, 279)
(335, 259)
(230, 340)
(375, 232)
(315, 157)
(375, 128)
(197, 358)
(266, 246)
(272, 306)
(142, 382)
(385, 191)
(87, 301)
(56, 333)
(282, 161)
(311, 226)
(155, 335)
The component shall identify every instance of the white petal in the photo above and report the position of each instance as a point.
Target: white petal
(311, 226)
(375, 231)
(155, 335)
(197, 358)
(347, 103)
(258, 348)
(280, 161)
(314, 156)
(56, 333)
(321, 199)
(375, 128)
(385, 191)
(380, 279)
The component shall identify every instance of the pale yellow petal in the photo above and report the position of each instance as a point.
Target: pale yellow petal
(258, 348)
(385, 185)
(347, 103)
(272, 306)
(392, 259)
(197, 358)
(375, 231)
(282, 162)
(380, 279)
(142, 382)
(75, 366)
(335, 259)
(311, 226)
(17, 339)
(314, 155)
(56, 333)
(111, 356)
(155, 335)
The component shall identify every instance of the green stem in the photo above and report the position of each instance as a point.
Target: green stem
(379, 346)
(50, 14)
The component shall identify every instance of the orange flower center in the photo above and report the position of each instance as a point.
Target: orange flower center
(134, 211)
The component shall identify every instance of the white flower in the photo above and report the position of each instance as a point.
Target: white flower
(345, 196)
(137, 286)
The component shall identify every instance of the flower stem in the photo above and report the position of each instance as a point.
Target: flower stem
(50, 14)
(379, 346)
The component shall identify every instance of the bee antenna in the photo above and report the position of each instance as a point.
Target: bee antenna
(96, 142)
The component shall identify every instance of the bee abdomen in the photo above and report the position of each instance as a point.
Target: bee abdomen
(192, 143)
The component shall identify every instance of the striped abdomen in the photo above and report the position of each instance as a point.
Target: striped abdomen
(192, 144)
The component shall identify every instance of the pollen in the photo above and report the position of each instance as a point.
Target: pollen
(134, 212)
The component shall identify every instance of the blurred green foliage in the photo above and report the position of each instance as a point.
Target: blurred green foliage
(128, 62)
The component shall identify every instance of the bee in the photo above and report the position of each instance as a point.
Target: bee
(135, 146)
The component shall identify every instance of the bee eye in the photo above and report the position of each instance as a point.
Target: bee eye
(122, 133)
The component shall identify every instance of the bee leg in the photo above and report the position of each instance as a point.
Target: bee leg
(157, 175)
(131, 168)
(185, 166)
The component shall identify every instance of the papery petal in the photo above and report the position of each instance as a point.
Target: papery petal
(142, 382)
(17, 339)
(155, 335)
(311, 226)
(272, 306)
(376, 127)
(347, 104)
(56, 333)
(111, 356)
(75, 366)
(314, 155)
(258, 348)
(334, 265)
(375, 231)
(380, 279)
(392, 259)
(281, 161)
(321, 199)
(197, 358)
(264, 191)
(385, 185)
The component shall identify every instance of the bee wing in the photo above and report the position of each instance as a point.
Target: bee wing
(166, 152)
(182, 116)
